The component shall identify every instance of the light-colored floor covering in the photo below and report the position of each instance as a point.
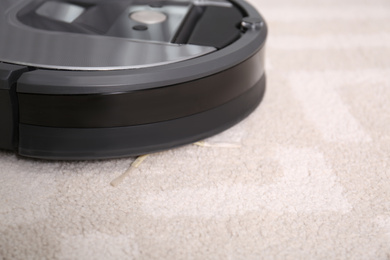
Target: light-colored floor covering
(306, 176)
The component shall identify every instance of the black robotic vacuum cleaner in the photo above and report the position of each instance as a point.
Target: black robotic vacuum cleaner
(95, 79)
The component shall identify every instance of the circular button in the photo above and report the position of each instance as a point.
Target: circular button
(148, 17)
(252, 23)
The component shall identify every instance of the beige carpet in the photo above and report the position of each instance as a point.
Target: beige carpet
(306, 176)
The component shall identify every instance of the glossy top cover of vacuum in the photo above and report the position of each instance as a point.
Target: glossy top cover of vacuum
(90, 79)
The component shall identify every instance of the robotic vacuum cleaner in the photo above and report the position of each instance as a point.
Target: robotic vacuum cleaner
(96, 79)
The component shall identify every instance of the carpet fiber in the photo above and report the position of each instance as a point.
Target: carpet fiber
(306, 176)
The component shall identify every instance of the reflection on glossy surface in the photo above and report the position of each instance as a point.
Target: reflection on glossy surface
(63, 12)
(26, 45)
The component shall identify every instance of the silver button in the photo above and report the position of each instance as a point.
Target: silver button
(148, 17)
(251, 23)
